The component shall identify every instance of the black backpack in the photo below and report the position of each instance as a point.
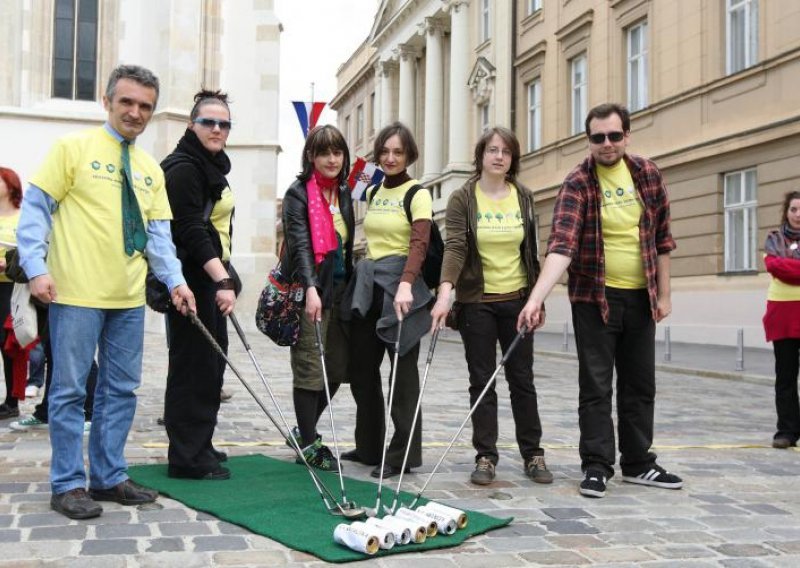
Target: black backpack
(432, 266)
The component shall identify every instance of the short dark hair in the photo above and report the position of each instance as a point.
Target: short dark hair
(205, 97)
(406, 139)
(320, 140)
(510, 140)
(607, 109)
(136, 73)
(787, 201)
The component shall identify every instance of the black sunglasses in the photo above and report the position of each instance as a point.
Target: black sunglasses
(600, 137)
(212, 122)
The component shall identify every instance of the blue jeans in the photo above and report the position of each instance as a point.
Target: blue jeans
(118, 337)
(36, 361)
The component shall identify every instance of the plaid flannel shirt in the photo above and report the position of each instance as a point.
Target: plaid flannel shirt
(577, 231)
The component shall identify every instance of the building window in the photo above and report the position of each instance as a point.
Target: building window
(359, 123)
(347, 130)
(75, 50)
(483, 118)
(578, 87)
(637, 67)
(533, 6)
(372, 120)
(741, 26)
(534, 115)
(740, 221)
(485, 20)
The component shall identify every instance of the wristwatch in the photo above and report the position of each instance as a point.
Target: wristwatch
(226, 284)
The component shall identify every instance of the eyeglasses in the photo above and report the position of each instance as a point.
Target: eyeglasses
(494, 151)
(600, 137)
(212, 122)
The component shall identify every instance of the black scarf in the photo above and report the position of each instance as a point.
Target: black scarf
(215, 166)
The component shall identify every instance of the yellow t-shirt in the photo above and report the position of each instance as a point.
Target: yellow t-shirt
(620, 212)
(500, 234)
(8, 234)
(340, 226)
(386, 226)
(87, 258)
(221, 220)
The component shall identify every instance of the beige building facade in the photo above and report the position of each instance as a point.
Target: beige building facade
(712, 86)
(57, 55)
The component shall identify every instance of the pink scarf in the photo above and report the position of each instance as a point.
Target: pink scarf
(320, 219)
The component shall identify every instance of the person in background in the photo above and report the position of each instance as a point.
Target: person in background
(36, 366)
(91, 212)
(319, 224)
(202, 209)
(491, 258)
(611, 230)
(782, 319)
(388, 287)
(10, 199)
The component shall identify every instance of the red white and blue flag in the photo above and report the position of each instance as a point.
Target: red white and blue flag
(308, 114)
(363, 175)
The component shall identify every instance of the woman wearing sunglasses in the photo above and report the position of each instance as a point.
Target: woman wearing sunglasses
(319, 225)
(202, 210)
(490, 258)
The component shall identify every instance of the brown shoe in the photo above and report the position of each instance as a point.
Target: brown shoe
(224, 396)
(484, 472)
(782, 442)
(536, 469)
(75, 504)
(125, 493)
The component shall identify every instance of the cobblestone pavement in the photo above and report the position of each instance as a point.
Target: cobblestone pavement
(738, 507)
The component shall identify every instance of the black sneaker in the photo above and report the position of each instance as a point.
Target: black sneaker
(656, 476)
(484, 472)
(593, 484)
(318, 455)
(778, 442)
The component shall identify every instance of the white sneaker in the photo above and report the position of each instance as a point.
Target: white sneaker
(31, 391)
(29, 423)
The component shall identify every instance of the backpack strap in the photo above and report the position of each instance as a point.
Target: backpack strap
(371, 195)
(409, 197)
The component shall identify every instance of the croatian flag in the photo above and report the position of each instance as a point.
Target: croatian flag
(308, 114)
(363, 175)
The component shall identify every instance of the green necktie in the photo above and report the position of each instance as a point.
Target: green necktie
(133, 233)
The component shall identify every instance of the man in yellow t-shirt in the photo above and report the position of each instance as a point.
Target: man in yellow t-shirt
(94, 195)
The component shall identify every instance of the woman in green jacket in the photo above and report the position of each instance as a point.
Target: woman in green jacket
(490, 259)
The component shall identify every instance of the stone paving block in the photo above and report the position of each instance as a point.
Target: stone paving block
(572, 542)
(744, 563)
(30, 497)
(630, 539)
(792, 546)
(712, 498)
(6, 521)
(516, 544)
(554, 558)
(570, 527)
(251, 558)
(66, 532)
(114, 546)
(173, 560)
(681, 551)
(230, 528)
(564, 513)
(482, 560)
(623, 554)
(764, 509)
(737, 550)
(184, 529)
(41, 519)
(12, 488)
(122, 531)
(212, 543)
(726, 510)
(171, 515)
(679, 524)
(9, 535)
(726, 521)
(426, 560)
(519, 530)
(111, 518)
(689, 537)
(40, 550)
(623, 525)
(165, 544)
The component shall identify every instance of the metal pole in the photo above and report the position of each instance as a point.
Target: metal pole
(740, 349)
(667, 345)
(565, 340)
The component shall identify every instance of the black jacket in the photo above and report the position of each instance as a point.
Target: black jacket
(298, 255)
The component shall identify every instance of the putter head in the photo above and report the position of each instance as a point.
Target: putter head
(389, 510)
(349, 511)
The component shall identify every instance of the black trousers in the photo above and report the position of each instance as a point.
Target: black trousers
(365, 359)
(194, 379)
(5, 308)
(481, 326)
(626, 343)
(787, 366)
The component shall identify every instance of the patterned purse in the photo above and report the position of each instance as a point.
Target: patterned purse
(280, 308)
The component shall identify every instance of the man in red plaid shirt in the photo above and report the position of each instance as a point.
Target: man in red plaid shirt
(611, 233)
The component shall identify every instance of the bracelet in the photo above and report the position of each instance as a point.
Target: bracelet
(226, 284)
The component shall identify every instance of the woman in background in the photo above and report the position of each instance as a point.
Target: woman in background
(10, 199)
(782, 320)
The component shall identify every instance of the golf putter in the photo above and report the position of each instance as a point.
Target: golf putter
(489, 383)
(321, 347)
(387, 411)
(431, 348)
(322, 489)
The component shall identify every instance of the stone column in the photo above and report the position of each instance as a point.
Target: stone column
(407, 104)
(459, 158)
(378, 118)
(434, 98)
(387, 88)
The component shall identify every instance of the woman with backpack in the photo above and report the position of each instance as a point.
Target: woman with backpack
(490, 259)
(202, 207)
(319, 225)
(388, 287)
